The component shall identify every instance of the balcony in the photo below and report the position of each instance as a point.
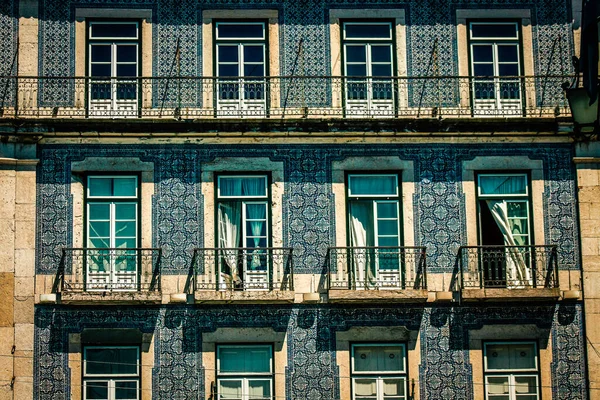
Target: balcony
(508, 272)
(249, 275)
(111, 275)
(374, 274)
(304, 97)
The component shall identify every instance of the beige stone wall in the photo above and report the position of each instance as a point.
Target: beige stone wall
(588, 181)
(17, 269)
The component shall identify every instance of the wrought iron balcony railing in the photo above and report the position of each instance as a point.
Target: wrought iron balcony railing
(282, 97)
(517, 267)
(243, 269)
(357, 268)
(110, 270)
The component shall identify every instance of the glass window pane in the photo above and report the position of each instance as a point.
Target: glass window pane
(243, 186)
(356, 53)
(388, 241)
(126, 53)
(483, 70)
(95, 390)
(497, 385)
(497, 357)
(254, 70)
(508, 53)
(228, 70)
(125, 187)
(365, 387)
(393, 387)
(504, 31)
(525, 385)
(387, 227)
(244, 359)
(502, 184)
(99, 211)
(242, 31)
(381, 70)
(230, 389)
(125, 229)
(387, 210)
(100, 187)
(508, 69)
(254, 53)
(127, 70)
(378, 358)
(367, 31)
(122, 243)
(99, 243)
(113, 30)
(110, 361)
(99, 229)
(482, 53)
(381, 53)
(376, 185)
(523, 356)
(517, 209)
(356, 70)
(228, 53)
(101, 53)
(126, 390)
(259, 389)
(125, 211)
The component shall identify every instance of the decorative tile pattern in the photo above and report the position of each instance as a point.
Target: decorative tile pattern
(428, 22)
(9, 32)
(312, 372)
(308, 205)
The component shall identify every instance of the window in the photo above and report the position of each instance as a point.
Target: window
(511, 371)
(245, 372)
(379, 371)
(374, 225)
(113, 67)
(112, 233)
(243, 230)
(111, 373)
(368, 66)
(495, 67)
(504, 226)
(241, 68)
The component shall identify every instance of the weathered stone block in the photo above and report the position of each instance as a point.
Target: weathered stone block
(590, 228)
(24, 337)
(23, 363)
(589, 246)
(24, 286)
(25, 187)
(25, 212)
(7, 287)
(24, 235)
(24, 310)
(589, 194)
(24, 262)
(587, 177)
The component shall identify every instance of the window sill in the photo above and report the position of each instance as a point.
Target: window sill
(505, 294)
(378, 296)
(244, 297)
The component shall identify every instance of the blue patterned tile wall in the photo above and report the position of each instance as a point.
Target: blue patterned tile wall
(427, 21)
(312, 372)
(9, 33)
(308, 204)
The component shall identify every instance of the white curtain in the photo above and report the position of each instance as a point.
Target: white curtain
(258, 214)
(230, 217)
(361, 222)
(517, 271)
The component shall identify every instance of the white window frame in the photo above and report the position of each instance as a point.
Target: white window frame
(110, 379)
(113, 106)
(113, 279)
(245, 377)
(369, 106)
(379, 376)
(514, 198)
(491, 105)
(511, 374)
(242, 106)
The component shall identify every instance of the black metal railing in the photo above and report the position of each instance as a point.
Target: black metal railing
(527, 267)
(243, 269)
(281, 97)
(109, 270)
(358, 268)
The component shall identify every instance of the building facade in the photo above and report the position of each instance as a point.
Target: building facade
(300, 200)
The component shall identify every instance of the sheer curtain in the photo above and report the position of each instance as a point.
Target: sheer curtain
(257, 214)
(230, 217)
(361, 235)
(517, 272)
